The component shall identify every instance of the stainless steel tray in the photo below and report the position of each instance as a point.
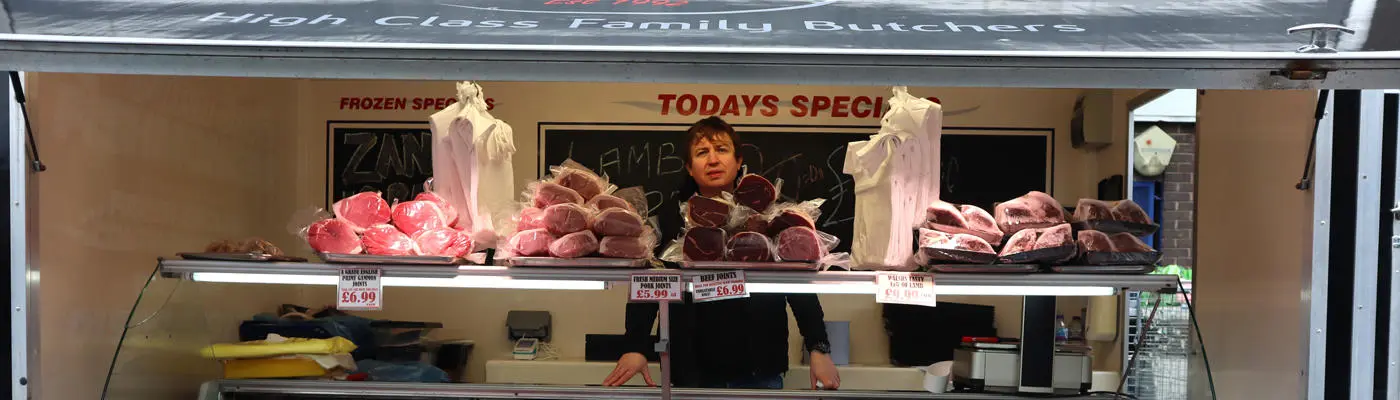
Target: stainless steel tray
(400, 260)
(239, 257)
(764, 266)
(984, 268)
(1104, 269)
(582, 262)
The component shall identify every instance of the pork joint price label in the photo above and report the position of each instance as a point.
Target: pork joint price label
(656, 287)
(719, 286)
(360, 289)
(913, 288)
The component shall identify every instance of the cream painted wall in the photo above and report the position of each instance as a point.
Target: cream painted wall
(1246, 288)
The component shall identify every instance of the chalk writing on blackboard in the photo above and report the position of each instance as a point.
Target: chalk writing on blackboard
(393, 160)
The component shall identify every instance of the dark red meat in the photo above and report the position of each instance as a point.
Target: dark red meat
(789, 219)
(563, 219)
(981, 223)
(800, 243)
(1092, 210)
(704, 244)
(531, 243)
(1094, 241)
(756, 223)
(750, 246)
(1020, 242)
(944, 213)
(624, 247)
(1127, 243)
(1128, 211)
(706, 212)
(1056, 236)
(386, 240)
(756, 192)
(412, 217)
(444, 242)
(574, 245)
(362, 210)
(333, 236)
(618, 222)
(548, 194)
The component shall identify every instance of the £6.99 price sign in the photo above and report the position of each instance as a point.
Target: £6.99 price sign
(656, 287)
(719, 286)
(359, 289)
(913, 288)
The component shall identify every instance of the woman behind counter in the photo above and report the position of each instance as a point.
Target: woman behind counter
(736, 344)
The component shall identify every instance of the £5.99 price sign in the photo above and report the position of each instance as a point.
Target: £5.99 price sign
(656, 287)
(913, 288)
(719, 286)
(359, 289)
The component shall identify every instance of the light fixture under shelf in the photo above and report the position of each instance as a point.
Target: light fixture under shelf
(474, 282)
(948, 290)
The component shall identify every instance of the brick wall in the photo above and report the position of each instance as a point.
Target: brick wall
(1178, 194)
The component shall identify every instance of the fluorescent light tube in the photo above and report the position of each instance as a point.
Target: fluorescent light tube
(477, 282)
(951, 290)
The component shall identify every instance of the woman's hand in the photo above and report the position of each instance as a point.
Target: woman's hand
(824, 372)
(628, 366)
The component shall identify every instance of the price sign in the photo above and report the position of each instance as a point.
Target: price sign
(914, 288)
(653, 287)
(359, 289)
(719, 286)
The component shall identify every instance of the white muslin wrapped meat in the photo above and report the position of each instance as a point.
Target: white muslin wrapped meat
(896, 176)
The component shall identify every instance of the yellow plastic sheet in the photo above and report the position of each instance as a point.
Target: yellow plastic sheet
(281, 347)
(292, 367)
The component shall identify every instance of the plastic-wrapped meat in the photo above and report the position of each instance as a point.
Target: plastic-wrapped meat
(751, 247)
(1032, 210)
(1055, 236)
(1047, 207)
(1128, 211)
(362, 210)
(530, 218)
(333, 236)
(583, 181)
(800, 243)
(965, 242)
(548, 194)
(386, 240)
(412, 217)
(981, 223)
(706, 212)
(563, 219)
(531, 243)
(1092, 210)
(618, 222)
(933, 239)
(944, 213)
(448, 211)
(574, 245)
(603, 202)
(1094, 242)
(789, 219)
(704, 244)
(1020, 242)
(625, 247)
(756, 223)
(756, 192)
(1127, 243)
(443, 242)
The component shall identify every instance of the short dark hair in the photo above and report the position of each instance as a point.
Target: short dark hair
(709, 128)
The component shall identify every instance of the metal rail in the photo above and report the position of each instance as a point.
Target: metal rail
(372, 390)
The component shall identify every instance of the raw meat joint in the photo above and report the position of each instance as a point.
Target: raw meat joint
(1092, 210)
(531, 243)
(563, 219)
(582, 181)
(750, 246)
(1056, 236)
(448, 212)
(530, 218)
(603, 202)
(1128, 211)
(1094, 242)
(932, 239)
(706, 212)
(618, 222)
(362, 210)
(800, 243)
(944, 213)
(756, 192)
(416, 216)
(333, 236)
(574, 245)
(756, 223)
(548, 194)
(1032, 210)
(704, 244)
(443, 242)
(624, 247)
(789, 219)
(1020, 242)
(1127, 243)
(386, 240)
(981, 222)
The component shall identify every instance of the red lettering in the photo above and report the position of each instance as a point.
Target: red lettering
(490, 104)
(709, 104)
(799, 106)
(840, 108)
(686, 104)
(858, 111)
(420, 103)
(770, 106)
(400, 103)
(443, 102)
(665, 102)
(935, 100)
(343, 100)
(355, 103)
(731, 106)
(749, 103)
(820, 103)
(879, 108)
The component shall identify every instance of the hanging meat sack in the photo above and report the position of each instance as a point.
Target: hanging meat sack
(896, 176)
(472, 168)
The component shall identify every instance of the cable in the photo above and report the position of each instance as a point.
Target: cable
(1305, 182)
(1210, 377)
(28, 129)
(547, 352)
(125, 327)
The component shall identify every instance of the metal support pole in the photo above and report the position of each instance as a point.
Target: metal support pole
(1317, 273)
(664, 348)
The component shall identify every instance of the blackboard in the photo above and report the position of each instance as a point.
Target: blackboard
(392, 158)
(981, 166)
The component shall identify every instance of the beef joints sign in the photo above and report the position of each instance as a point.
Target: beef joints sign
(865, 26)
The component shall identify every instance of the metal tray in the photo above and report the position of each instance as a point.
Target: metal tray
(399, 260)
(930, 256)
(239, 257)
(1053, 255)
(763, 266)
(985, 269)
(1106, 258)
(1104, 269)
(582, 262)
(1112, 227)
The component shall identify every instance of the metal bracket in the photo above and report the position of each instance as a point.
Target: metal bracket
(1395, 211)
(1323, 38)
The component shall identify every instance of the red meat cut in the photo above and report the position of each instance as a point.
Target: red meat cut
(531, 243)
(412, 217)
(1032, 210)
(618, 222)
(362, 210)
(1020, 242)
(756, 192)
(563, 219)
(1128, 211)
(981, 223)
(1092, 210)
(624, 247)
(1127, 243)
(944, 213)
(1094, 241)
(789, 219)
(1056, 236)
(750, 247)
(530, 218)
(386, 240)
(446, 242)
(548, 194)
(574, 245)
(1047, 207)
(756, 223)
(448, 212)
(800, 243)
(704, 244)
(706, 212)
(585, 182)
(933, 239)
(333, 236)
(603, 202)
